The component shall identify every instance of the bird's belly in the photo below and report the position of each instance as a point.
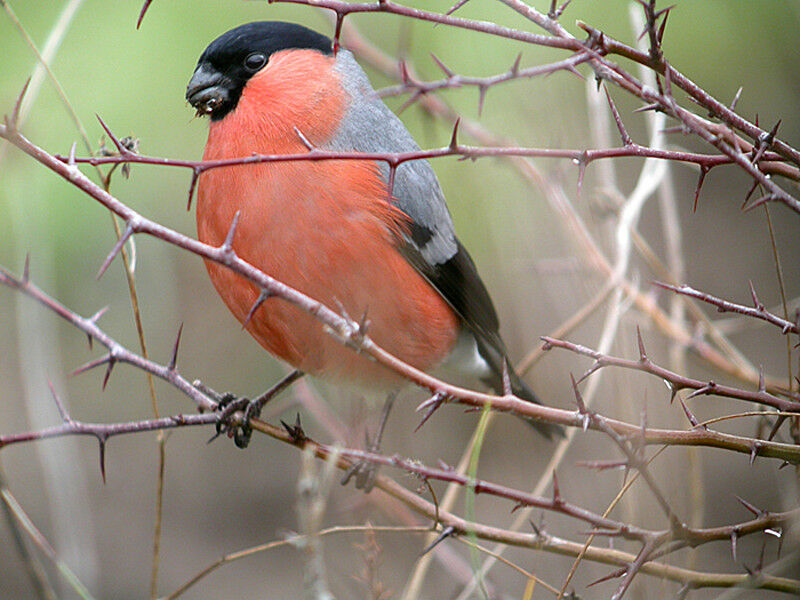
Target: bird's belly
(323, 229)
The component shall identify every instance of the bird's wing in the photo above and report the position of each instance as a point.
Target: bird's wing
(431, 246)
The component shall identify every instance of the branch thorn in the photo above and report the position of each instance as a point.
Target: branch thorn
(445, 69)
(306, 142)
(754, 450)
(673, 390)
(390, 183)
(455, 7)
(578, 397)
(142, 12)
(446, 532)
(706, 389)
(454, 137)
(123, 151)
(196, 171)
(749, 506)
(262, 296)
(337, 32)
(295, 431)
(640, 342)
(623, 133)
(646, 107)
(703, 172)
(71, 157)
(556, 490)
(111, 361)
(665, 12)
(11, 122)
(757, 304)
(596, 366)
(115, 250)
(62, 410)
(736, 97)
(538, 530)
(227, 246)
(93, 320)
(482, 89)
(173, 361)
(749, 193)
(582, 163)
(692, 419)
(430, 406)
(778, 422)
(763, 200)
(101, 440)
(610, 576)
(554, 13)
(26, 269)
(92, 364)
(764, 141)
(405, 77)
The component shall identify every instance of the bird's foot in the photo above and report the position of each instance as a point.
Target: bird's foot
(363, 470)
(366, 471)
(235, 414)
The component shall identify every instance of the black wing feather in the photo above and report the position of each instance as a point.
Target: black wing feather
(457, 280)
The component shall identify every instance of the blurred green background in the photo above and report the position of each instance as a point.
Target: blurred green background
(219, 499)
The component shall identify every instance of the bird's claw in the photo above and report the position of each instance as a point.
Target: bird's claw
(235, 414)
(365, 472)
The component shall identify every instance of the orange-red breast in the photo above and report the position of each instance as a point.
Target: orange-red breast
(328, 228)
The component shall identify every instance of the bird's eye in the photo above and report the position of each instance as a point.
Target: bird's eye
(255, 61)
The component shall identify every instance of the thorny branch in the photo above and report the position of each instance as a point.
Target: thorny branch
(116, 352)
(757, 311)
(394, 160)
(601, 525)
(676, 381)
(599, 46)
(696, 437)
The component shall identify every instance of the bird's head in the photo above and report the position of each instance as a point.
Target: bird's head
(232, 59)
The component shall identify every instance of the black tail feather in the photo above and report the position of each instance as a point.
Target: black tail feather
(523, 392)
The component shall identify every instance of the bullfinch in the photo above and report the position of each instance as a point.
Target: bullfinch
(330, 228)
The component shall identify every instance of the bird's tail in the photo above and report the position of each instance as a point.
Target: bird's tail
(493, 352)
(522, 391)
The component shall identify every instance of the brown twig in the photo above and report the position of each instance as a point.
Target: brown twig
(676, 380)
(757, 311)
(102, 432)
(599, 46)
(116, 352)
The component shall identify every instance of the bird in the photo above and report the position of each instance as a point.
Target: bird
(347, 233)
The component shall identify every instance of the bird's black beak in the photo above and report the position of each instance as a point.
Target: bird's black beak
(207, 90)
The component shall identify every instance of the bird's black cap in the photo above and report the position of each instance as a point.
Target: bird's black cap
(234, 57)
(263, 36)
